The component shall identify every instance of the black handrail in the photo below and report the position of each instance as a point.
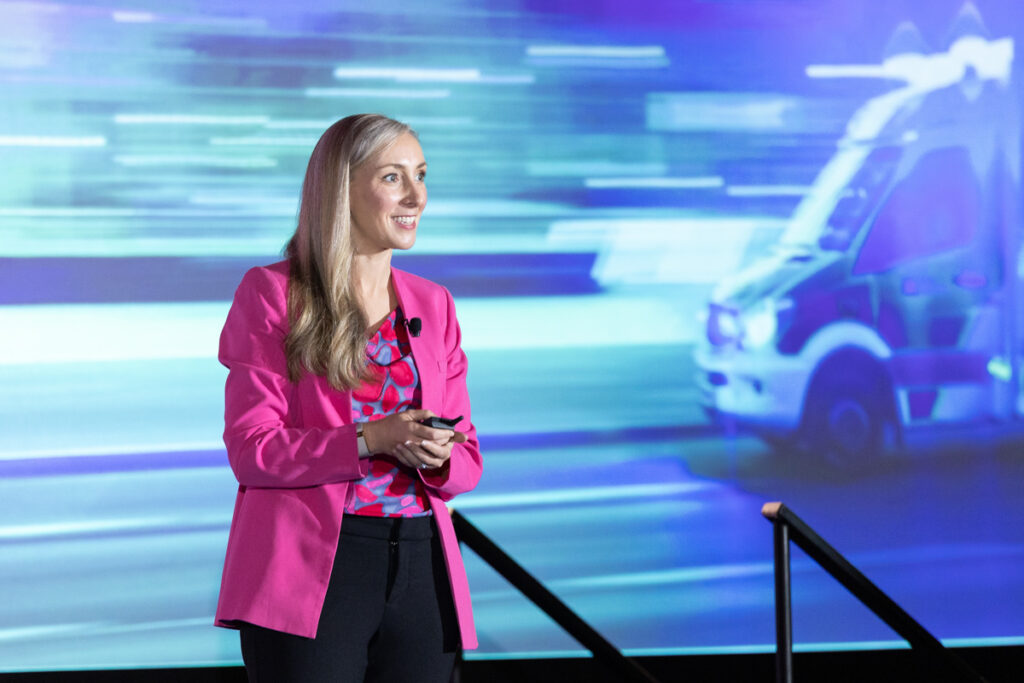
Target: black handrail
(514, 573)
(790, 527)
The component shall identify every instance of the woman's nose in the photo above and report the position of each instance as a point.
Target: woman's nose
(416, 194)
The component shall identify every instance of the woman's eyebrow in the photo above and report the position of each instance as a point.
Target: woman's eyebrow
(422, 164)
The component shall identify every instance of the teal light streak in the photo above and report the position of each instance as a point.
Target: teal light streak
(767, 190)
(579, 495)
(415, 121)
(409, 75)
(602, 51)
(379, 92)
(191, 119)
(696, 183)
(667, 576)
(594, 167)
(52, 141)
(264, 141)
(136, 160)
(124, 17)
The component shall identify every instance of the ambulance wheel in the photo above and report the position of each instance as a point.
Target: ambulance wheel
(846, 416)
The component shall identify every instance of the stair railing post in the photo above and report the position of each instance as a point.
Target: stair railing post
(783, 606)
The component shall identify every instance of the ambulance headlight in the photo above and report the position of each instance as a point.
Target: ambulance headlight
(761, 322)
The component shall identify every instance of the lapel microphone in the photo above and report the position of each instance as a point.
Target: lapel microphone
(415, 326)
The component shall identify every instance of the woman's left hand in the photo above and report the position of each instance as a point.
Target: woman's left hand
(428, 454)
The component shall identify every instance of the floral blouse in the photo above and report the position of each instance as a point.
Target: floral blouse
(390, 489)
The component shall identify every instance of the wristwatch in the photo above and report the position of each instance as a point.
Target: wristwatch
(364, 451)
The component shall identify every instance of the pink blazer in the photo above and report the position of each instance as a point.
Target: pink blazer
(292, 447)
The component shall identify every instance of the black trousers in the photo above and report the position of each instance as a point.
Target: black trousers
(388, 614)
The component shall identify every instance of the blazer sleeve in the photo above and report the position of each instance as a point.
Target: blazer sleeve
(264, 448)
(465, 465)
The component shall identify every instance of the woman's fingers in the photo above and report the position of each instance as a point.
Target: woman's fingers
(437, 450)
(428, 453)
(405, 456)
(425, 433)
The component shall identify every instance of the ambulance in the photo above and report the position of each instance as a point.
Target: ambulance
(892, 301)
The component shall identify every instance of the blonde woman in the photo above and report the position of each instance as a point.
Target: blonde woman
(342, 563)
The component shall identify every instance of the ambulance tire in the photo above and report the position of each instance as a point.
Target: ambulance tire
(845, 418)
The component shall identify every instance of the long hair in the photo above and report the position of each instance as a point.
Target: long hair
(327, 334)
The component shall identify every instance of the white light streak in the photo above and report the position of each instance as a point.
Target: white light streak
(91, 629)
(52, 141)
(263, 141)
(222, 199)
(299, 124)
(846, 71)
(109, 332)
(191, 119)
(510, 79)
(145, 160)
(767, 190)
(695, 183)
(409, 75)
(126, 17)
(136, 17)
(664, 577)
(600, 51)
(261, 247)
(152, 331)
(692, 250)
(130, 449)
(440, 121)
(512, 322)
(111, 212)
(497, 208)
(431, 75)
(414, 121)
(379, 93)
(579, 495)
(594, 167)
(686, 111)
(990, 60)
(125, 525)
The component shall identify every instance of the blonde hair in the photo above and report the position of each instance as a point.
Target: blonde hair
(327, 334)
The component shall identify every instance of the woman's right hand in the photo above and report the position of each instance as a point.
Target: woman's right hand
(386, 434)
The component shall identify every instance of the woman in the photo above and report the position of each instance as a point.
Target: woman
(342, 563)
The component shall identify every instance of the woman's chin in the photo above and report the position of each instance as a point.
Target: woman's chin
(405, 244)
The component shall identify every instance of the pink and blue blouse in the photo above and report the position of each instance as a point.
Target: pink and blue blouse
(390, 489)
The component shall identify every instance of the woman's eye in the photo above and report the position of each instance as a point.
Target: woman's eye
(391, 177)
(421, 176)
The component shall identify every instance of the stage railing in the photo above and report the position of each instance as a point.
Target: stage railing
(789, 527)
(604, 652)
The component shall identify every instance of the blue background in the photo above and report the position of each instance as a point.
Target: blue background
(596, 168)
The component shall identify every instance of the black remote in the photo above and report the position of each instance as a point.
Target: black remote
(441, 423)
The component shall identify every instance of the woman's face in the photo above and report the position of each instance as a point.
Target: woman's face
(387, 194)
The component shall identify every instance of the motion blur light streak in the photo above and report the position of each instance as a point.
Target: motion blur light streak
(191, 119)
(656, 183)
(52, 141)
(421, 75)
(378, 93)
(766, 190)
(136, 160)
(611, 51)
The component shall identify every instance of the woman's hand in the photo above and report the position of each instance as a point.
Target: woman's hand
(413, 444)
